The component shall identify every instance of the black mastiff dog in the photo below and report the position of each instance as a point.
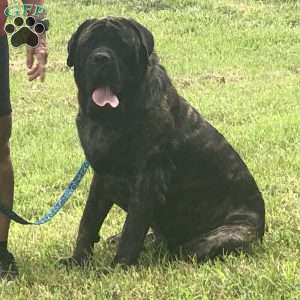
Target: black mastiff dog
(153, 154)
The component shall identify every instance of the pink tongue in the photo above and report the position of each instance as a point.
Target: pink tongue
(102, 96)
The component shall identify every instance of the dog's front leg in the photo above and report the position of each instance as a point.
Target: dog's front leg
(134, 231)
(148, 191)
(96, 210)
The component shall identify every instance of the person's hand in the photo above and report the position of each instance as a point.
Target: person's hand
(37, 59)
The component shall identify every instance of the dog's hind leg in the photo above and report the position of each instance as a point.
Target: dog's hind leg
(221, 241)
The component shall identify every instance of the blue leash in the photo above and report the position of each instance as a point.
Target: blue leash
(56, 207)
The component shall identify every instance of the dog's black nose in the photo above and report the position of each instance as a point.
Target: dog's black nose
(101, 57)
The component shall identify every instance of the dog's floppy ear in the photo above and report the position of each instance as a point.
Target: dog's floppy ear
(145, 36)
(72, 44)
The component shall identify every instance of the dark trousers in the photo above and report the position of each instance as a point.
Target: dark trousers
(5, 105)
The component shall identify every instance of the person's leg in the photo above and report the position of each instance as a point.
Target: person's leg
(8, 268)
(7, 263)
(6, 178)
(6, 174)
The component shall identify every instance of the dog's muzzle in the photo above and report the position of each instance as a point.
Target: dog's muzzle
(100, 58)
(102, 72)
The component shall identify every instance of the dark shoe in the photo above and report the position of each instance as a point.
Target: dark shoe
(8, 266)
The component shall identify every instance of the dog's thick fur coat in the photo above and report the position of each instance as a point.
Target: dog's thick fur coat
(154, 155)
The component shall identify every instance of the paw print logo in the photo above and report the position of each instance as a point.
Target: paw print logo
(25, 31)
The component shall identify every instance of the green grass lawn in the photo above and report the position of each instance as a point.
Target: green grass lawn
(238, 62)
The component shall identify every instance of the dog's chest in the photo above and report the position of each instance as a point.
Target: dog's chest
(104, 147)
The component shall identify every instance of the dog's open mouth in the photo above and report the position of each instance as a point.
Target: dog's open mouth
(103, 96)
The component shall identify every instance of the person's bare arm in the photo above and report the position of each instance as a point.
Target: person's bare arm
(36, 58)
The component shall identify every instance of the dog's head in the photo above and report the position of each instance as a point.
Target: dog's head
(110, 57)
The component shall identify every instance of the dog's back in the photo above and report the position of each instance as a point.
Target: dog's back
(212, 196)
